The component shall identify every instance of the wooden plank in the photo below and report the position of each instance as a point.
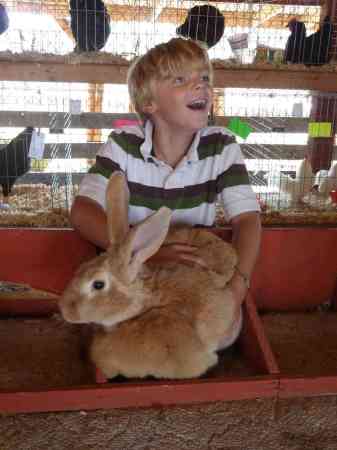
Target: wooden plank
(256, 151)
(277, 2)
(127, 11)
(144, 394)
(44, 259)
(29, 308)
(63, 70)
(296, 268)
(60, 120)
(241, 18)
(307, 386)
(254, 341)
(246, 77)
(89, 150)
(49, 178)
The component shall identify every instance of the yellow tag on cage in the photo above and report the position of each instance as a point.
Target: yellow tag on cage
(319, 129)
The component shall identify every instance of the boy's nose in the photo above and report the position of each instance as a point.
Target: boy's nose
(199, 84)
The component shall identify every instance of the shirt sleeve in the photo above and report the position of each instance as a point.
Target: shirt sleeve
(234, 190)
(109, 158)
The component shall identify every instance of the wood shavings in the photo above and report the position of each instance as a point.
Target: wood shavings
(290, 216)
(102, 57)
(10, 290)
(37, 206)
(70, 58)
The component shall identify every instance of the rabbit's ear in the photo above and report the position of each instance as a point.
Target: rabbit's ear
(117, 200)
(146, 238)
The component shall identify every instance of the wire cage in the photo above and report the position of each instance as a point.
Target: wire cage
(295, 31)
(290, 150)
(291, 162)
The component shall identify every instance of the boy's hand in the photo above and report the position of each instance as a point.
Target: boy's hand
(183, 253)
(238, 287)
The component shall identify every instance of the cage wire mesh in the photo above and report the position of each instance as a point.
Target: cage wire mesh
(43, 189)
(290, 151)
(296, 30)
(77, 117)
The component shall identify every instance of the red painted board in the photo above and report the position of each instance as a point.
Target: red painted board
(254, 342)
(146, 394)
(307, 386)
(43, 258)
(28, 307)
(296, 268)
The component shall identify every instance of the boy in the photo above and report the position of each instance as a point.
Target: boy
(175, 160)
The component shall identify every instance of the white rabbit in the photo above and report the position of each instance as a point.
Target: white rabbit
(165, 321)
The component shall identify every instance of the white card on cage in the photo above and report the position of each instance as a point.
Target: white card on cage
(75, 106)
(36, 148)
(297, 110)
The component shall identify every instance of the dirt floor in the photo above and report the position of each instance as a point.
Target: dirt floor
(47, 352)
(51, 353)
(303, 343)
(293, 424)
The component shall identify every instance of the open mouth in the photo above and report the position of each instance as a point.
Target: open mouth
(197, 105)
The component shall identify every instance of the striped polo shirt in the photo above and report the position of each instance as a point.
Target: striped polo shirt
(212, 171)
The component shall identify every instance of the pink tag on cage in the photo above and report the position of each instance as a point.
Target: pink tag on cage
(119, 123)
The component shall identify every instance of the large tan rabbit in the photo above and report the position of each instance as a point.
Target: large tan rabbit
(167, 321)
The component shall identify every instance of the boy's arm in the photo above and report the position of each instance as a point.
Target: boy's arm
(246, 239)
(89, 219)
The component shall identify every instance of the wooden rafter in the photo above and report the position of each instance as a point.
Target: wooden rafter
(63, 70)
(271, 13)
(266, 13)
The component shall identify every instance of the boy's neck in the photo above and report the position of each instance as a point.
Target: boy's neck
(171, 148)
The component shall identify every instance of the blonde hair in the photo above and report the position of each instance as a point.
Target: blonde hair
(161, 62)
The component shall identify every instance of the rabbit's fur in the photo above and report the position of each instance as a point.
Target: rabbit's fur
(166, 320)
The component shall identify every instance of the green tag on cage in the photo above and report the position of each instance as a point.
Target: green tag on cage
(241, 129)
(319, 129)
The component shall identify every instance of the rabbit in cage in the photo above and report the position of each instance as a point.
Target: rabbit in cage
(15, 160)
(90, 24)
(164, 320)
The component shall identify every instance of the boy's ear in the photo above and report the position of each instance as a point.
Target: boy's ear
(149, 107)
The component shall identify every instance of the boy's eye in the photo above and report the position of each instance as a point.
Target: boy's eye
(205, 78)
(179, 80)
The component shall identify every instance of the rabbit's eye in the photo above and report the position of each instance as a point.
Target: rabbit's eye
(98, 284)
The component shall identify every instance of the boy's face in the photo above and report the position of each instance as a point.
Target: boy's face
(182, 102)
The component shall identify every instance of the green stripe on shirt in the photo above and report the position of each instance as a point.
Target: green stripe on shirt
(213, 144)
(128, 142)
(189, 196)
(104, 166)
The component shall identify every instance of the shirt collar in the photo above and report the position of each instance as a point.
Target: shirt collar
(146, 146)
